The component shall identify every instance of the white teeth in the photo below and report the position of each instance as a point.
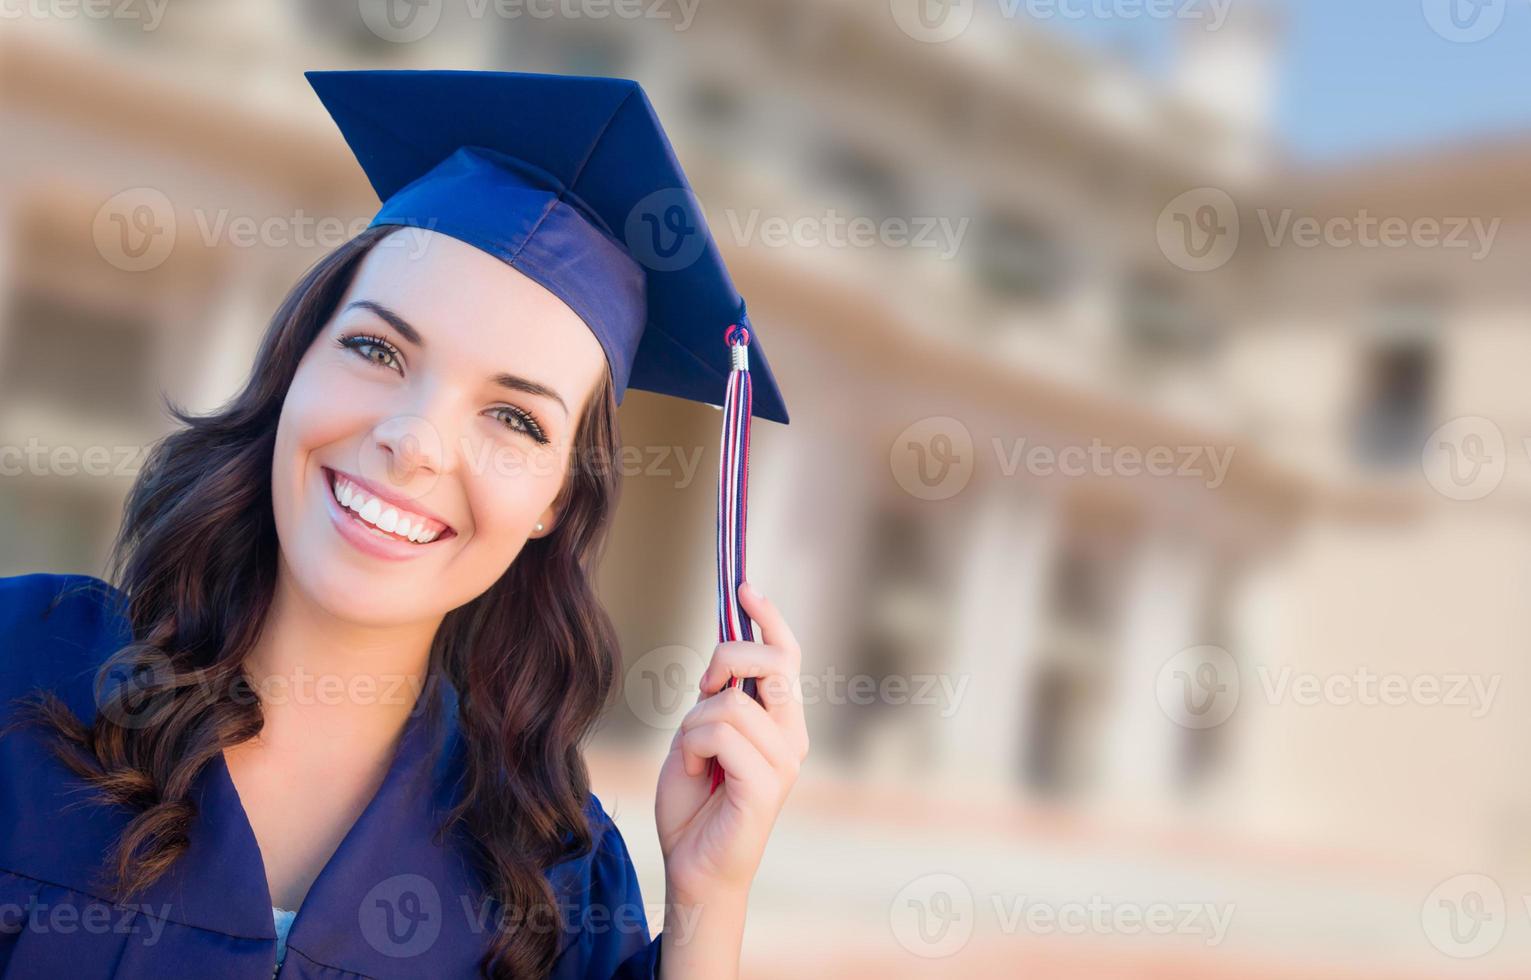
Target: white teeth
(373, 511)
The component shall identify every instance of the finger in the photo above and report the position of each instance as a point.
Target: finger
(736, 708)
(742, 658)
(780, 686)
(722, 741)
(773, 628)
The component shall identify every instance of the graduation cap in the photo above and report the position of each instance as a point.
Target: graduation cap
(572, 181)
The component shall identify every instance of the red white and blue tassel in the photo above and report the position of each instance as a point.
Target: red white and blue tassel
(733, 505)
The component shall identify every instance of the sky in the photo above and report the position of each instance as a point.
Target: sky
(1359, 78)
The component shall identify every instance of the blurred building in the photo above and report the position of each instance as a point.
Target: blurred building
(1021, 618)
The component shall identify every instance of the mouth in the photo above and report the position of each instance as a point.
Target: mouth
(382, 517)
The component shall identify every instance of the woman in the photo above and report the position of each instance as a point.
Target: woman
(340, 687)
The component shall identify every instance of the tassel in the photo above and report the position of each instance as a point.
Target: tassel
(733, 501)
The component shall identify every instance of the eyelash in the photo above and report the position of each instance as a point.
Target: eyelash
(356, 341)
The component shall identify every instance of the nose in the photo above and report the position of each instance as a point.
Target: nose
(411, 446)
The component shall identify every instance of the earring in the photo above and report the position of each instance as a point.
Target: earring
(539, 525)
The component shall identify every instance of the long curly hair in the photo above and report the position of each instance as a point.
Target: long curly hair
(533, 658)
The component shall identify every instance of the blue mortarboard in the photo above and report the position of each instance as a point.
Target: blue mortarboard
(572, 181)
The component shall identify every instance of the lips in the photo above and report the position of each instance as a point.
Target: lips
(382, 516)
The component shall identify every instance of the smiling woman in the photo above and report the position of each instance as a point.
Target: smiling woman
(340, 685)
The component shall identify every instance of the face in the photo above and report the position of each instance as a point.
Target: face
(427, 431)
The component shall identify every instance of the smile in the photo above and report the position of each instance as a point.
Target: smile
(381, 516)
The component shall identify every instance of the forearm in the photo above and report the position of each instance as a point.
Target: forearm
(702, 936)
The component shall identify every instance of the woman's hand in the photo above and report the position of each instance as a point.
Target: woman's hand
(712, 844)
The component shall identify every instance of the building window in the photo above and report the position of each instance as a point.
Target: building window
(900, 616)
(1397, 385)
(78, 361)
(870, 187)
(1074, 674)
(1018, 259)
(1162, 324)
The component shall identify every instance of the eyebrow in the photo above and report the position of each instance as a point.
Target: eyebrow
(512, 382)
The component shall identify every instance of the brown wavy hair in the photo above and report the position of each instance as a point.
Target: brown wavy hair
(533, 659)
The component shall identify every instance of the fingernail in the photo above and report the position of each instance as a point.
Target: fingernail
(748, 589)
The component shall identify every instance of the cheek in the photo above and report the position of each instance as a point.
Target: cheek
(321, 408)
(509, 495)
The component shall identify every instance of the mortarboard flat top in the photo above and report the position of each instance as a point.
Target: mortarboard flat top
(572, 181)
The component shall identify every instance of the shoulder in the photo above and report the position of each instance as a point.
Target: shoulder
(55, 630)
(608, 865)
(610, 932)
(610, 847)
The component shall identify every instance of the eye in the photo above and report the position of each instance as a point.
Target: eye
(520, 421)
(375, 349)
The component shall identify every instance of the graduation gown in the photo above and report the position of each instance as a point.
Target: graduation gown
(389, 903)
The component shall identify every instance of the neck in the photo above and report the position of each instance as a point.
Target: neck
(331, 684)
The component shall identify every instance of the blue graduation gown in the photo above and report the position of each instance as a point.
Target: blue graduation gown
(390, 903)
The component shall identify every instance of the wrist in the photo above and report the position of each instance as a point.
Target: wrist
(727, 897)
(703, 932)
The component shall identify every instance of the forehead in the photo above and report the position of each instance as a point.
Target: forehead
(478, 310)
